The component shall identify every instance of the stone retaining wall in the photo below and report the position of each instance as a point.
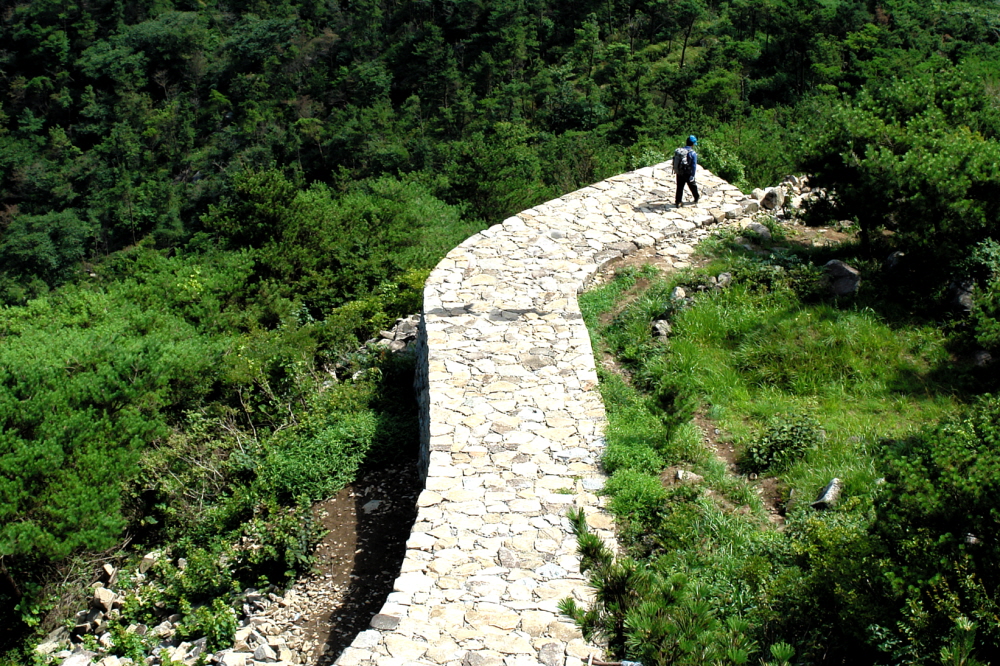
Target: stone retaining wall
(512, 424)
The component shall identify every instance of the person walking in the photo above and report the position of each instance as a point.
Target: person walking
(685, 165)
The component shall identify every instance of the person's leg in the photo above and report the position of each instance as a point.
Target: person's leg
(694, 190)
(680, 190)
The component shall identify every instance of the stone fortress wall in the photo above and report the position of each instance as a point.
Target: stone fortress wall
(513, 422)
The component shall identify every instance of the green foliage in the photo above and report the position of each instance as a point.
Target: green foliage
(41, 247)
(215, 621)
(937, 501)
(887, 575)
(784, 442)
(638, 496)
(245, 192)
(317, 457)
(919, 154)
(647, 615)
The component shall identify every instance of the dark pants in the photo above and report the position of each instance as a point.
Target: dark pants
(693, 186)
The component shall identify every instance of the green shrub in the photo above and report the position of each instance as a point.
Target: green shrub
(936, 514)
(986, 316)
(317, 457)
(785, 441)
(215, 621)
(277, 543)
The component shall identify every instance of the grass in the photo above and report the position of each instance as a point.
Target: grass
(767, 350)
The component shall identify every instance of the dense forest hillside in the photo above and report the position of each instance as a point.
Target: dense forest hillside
(206, 206)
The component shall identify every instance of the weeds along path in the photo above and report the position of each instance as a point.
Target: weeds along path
(512, 427)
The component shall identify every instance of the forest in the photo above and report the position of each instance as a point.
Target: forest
(207, 206)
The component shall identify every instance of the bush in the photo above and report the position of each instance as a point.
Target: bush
(785, 441)
(936, 515)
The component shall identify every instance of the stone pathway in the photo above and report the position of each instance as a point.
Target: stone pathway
(513, 426)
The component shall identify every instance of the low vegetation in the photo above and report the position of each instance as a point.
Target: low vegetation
(877, 389)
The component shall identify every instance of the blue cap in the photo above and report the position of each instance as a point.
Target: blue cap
(693, 140)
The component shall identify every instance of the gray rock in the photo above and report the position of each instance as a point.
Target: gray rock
(164, 630)
(198, 647)
(843, 279)
(104, 599)
(552, 654)
(80, 659)
(265, 653)
(371, 506)
(982, 358)
(960, 296)
(481, 659)
(661, 328)
(508, 558)
(385, 622)
(148, 560)
(773, 198)
(406, 329)
(550, 571)
(689, 477)
(760, 230)
(893, 261)
(678, 294)
(58, 635)
(724, 280)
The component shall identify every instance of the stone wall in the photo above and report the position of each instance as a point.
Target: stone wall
(513, 423)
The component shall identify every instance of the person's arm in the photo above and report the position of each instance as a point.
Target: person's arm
(694, 163)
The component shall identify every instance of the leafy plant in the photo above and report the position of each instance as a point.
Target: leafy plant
(784, 442)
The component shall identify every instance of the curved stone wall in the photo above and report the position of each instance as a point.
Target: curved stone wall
(513, 426)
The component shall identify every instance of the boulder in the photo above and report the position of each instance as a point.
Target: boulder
(773, 198)
(661, 328)
(960, 296)
(104, 599)
(685, 476)
(843, 280)
(893, 261)
(723, 280)
(265, 653)
(759, 229)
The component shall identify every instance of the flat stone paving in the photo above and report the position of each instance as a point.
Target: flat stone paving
(515, 427)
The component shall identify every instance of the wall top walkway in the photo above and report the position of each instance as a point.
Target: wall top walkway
(513, 427)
